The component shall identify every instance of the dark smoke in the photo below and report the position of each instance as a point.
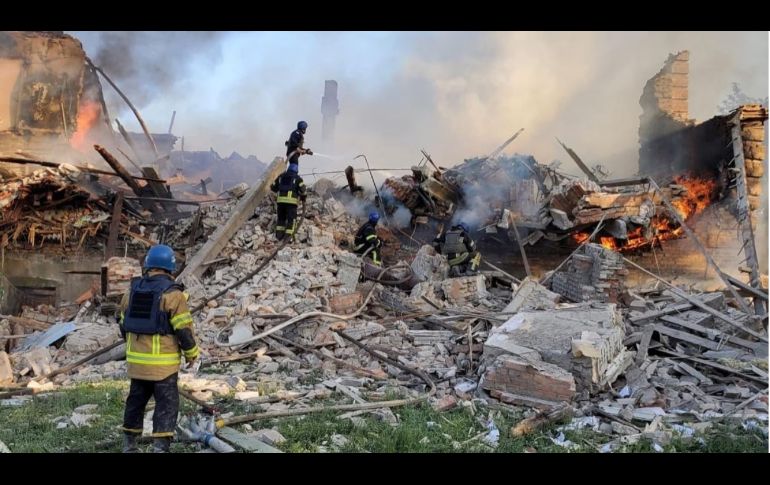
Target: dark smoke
(145, 65)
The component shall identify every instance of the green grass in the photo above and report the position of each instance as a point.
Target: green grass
(30, 428)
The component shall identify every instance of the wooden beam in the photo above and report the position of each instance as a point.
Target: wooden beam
(119, 169)
(721, 367)
(242, 212)
(712, 333)
(688, 337)
(698, 303)
(757, 292)
(690, 234)
(112, 239)
(43, 163)
(130, 105)
(579, 162)
(644, 317)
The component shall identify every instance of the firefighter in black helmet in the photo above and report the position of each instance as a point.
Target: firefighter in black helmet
(290, 189)
(295, 144)
(459, 249)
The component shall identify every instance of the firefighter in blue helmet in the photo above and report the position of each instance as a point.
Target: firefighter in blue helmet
(459, 249)
(366, 238)
(290, 189)
(158, 329)
(295, 144)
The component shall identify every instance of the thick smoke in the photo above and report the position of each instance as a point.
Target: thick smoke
(151, 65)
(457, 94)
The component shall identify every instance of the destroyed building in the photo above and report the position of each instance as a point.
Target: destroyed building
(637, 359)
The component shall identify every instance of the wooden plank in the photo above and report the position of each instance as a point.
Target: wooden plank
(579, 162)
(245, 442)
(242, 212)
(644, 345)
(691, 235)
(689, 338)
(723, 368)
(112, 239)
(758, 292)
(659, 313)
(699, 303)
(623, 181)
(712, 333)
(694, 372)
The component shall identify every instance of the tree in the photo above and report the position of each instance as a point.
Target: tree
(738, 98)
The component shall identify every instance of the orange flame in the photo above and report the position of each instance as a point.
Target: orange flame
(88, 114)
(699, 193)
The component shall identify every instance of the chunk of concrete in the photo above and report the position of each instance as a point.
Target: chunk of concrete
(467, 289)
(348, 270)
(429, 265)
(531, 295)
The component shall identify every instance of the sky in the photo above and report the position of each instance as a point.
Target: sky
(455, 94)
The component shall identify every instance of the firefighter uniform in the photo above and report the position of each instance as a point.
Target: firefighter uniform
(366, 238)
(290, 189)
(460, 251)
(158, 329)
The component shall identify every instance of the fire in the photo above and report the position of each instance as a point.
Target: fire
(698, 194)
(88, 114)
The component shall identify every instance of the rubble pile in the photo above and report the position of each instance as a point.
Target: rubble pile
(632, 364)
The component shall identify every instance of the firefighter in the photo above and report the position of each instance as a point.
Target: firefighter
(290, 189)
(157, 326)
(459, 249)
(366, 238)
(295, 144)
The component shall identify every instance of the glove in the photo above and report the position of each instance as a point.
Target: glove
(309, 151)
(191, 362)
(303, 198)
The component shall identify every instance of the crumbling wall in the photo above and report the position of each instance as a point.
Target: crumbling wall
(54, 268)
(46, 91)
(673, 145)
(9, 298)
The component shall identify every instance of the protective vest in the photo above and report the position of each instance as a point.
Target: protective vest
(453, 243)
(287, 189)
(144, 315)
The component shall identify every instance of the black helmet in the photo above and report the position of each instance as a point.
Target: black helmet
(302, 126)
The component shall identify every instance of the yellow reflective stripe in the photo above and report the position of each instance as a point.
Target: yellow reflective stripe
(181, 320)
(458, 259)
(193, 352)
(287, 200)
(360, 246)
(128, 343)
(156, 344)
(165, 434)
(146, 359)
(122, 316)
(132, 430)
(186, 295)
(371, 236)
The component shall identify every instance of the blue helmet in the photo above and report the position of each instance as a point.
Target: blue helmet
(464, 226)
(293, 168)
(374, 217)
(160, 256)
(302, 125)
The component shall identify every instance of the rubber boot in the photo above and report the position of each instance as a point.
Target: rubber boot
(129, 443)
(161, 445)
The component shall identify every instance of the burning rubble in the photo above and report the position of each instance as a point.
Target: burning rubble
(472, 339)
(635, 362)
